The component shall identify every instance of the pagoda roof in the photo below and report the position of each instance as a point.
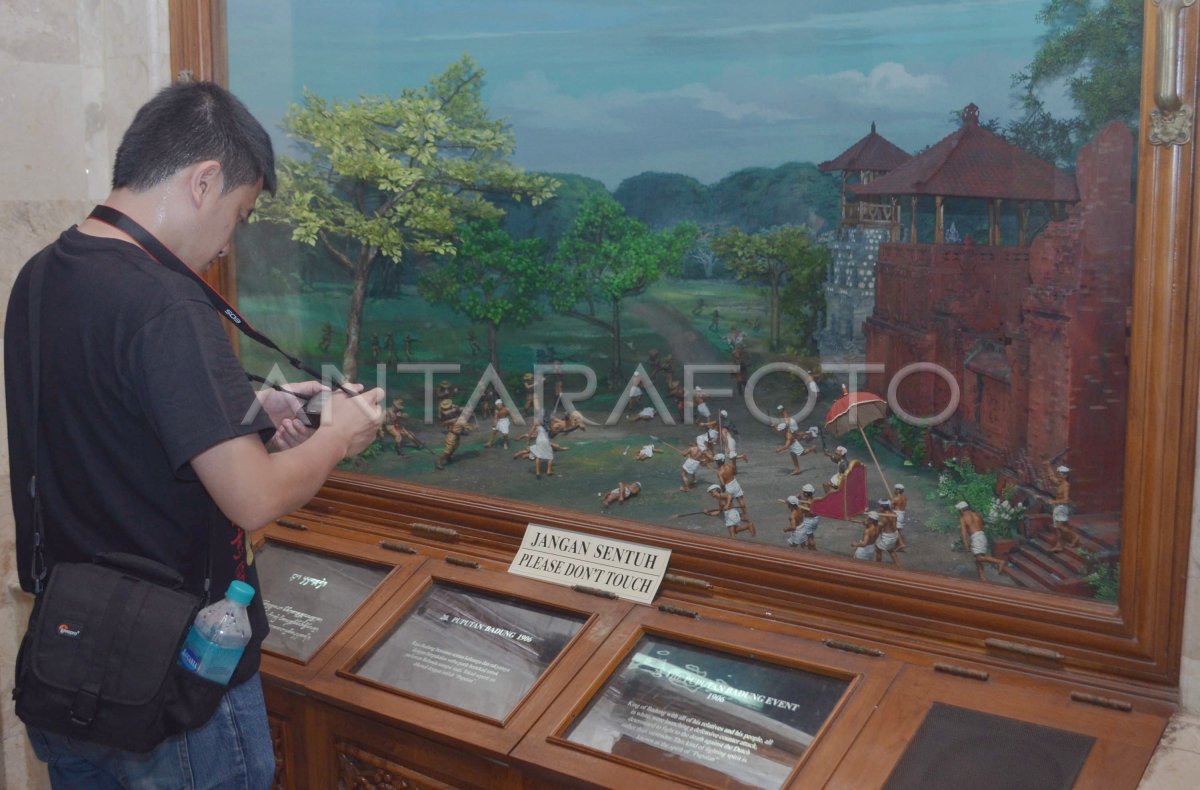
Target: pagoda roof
(873, 152)
(977, 163)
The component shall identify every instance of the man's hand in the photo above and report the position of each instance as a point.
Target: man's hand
(356, 420)
(283, 408)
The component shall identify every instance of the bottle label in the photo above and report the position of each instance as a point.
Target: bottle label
(208, 660)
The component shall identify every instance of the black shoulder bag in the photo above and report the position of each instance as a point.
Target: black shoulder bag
(99, 660)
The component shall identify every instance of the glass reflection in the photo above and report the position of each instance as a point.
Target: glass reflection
(609, 243)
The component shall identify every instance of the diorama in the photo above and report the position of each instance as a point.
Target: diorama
(821, 277)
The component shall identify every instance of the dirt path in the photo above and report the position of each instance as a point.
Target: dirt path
(597, 459)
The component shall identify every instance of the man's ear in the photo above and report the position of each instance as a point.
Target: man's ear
(205, 180)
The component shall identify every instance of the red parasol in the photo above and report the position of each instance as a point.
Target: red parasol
(855, 410)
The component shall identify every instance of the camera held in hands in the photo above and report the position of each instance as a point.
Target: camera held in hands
(310, 412)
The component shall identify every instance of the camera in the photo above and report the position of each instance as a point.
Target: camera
(310, 412)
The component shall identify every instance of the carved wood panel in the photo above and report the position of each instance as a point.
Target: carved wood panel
(359, 769)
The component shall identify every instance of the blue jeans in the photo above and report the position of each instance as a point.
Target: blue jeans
(231, 752)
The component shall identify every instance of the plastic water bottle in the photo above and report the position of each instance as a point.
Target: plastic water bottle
(220, 633)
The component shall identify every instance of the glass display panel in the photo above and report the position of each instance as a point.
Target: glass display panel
(957, 747)
(621, 222)
(309, 595)
(470, 649)
(702, 713)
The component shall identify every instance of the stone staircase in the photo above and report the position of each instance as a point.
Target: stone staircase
(1034, 566)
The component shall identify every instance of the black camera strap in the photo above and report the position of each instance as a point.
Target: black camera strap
(159, 252)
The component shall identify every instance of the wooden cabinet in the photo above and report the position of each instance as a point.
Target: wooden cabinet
(453, 673)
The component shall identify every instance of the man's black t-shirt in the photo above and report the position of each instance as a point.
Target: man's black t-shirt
(137, 378)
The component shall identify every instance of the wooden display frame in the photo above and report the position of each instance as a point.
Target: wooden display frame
(294, 671)
(1124, 738)
(1136, 643)
(869, 676)
(340, 686)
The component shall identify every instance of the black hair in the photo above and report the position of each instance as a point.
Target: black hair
(191, 122)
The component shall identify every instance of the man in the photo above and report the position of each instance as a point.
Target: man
(888, 540)
(803, 522)
(702, 410)
(900, 508)
(647, 414)
(621, 493)
(975, 539)
(393, 425)
(693, 456)
(732, 516)
(502, 426)
(646, 453)
(1063, 532)
(795, 443)
(157, 447)
(727, 477)
(864, 549)
(456, 428)
(838, 456)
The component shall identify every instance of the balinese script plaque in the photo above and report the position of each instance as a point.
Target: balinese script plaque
(308, 595)
(706, 715)
(470, 649)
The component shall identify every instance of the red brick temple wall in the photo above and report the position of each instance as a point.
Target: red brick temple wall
(1034, 337)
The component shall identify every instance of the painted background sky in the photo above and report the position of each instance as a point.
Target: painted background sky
(613, 88)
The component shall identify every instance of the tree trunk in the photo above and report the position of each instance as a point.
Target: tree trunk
(358, 296)
(615, 331)
(774, 316)
(493, 349)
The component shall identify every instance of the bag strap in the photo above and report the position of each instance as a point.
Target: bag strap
(160, 253)
(37, 273)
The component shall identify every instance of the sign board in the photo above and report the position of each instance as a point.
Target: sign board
(628, 570)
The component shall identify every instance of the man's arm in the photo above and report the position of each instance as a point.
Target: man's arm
(253, 487)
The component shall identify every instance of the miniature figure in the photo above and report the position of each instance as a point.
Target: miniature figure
(732, 516)
(865, 549)
(974, 538)
(889, 536)
(1062, 530)
(621, 493)
(646, 453)
(727, 477)
(899, 507)
(458, 427)
(803, 522)
(794, 443)
(501, 426)
(838, 456)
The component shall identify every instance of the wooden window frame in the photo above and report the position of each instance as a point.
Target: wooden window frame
(1137, 641)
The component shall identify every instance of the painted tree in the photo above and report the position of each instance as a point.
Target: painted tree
(607, 257)
(772, 256)
(1095, 48)
(493, 279)
(385, 177)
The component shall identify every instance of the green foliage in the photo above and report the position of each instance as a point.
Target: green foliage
(759, 197)
(492, 279)
(1104, 578)
(608, 256)
(553, 217)
(911, 438)
(959, 482)
(1096, 47)
(777, 257)
(385, 177)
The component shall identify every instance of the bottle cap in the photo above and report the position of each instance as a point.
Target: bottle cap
(239, 592)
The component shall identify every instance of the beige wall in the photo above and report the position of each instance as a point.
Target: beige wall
(74, 73)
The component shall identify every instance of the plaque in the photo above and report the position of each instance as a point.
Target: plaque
(309, 595)
(470, 649)
(707, 715)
